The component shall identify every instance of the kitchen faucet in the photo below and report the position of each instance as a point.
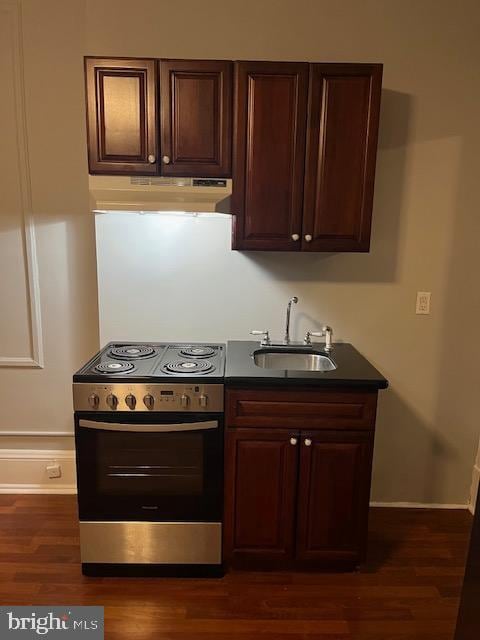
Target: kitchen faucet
(293, 300)
(266, 341)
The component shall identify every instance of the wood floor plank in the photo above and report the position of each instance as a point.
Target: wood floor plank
(408, 589)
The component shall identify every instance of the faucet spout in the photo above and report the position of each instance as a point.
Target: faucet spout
(293, 300)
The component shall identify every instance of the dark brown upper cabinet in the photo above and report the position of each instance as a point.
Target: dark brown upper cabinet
(269, 154)
(304, 140)
(291, 199)
(192, 134)
(344, 106)
(121, 116)
(195, 113)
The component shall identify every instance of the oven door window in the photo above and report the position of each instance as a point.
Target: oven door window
(170, 465)
(171, 475)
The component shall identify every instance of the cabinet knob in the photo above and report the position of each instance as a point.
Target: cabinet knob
(293, 441)
(295, 237)
(308, 442)
(151, 159)
(308, 238)
(166, 160)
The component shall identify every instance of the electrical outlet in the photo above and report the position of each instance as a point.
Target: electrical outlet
(54, 470)
(423, 302)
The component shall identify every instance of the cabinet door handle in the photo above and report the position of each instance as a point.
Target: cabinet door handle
(308, 238)
(308, 442)
(295, 237)
(166, 160)
(151, 159)
(293, 441)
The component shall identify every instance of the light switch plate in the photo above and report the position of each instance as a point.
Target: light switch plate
(423, 303)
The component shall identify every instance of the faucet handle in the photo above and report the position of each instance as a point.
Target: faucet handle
(266, 336)
(326, 331)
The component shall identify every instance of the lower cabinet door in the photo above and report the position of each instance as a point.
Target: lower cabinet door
(333, 498)
(260, 490)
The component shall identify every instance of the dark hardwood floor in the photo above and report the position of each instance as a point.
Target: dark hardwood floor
(408, 590)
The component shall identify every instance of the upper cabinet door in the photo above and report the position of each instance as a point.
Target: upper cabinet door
(269, 154)
(196, 120)
(342, 135)
(121, 116)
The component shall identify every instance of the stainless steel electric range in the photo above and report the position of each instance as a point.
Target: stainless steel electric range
(149, 443)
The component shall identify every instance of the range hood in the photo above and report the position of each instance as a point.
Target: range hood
(144, 193)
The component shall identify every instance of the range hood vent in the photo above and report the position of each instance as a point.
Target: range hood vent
(178, 182)
(155, 193)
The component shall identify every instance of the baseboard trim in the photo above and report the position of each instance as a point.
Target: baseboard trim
(24, 471)
(37, 434)
(419, 505)
(66, 489)
(37, 454)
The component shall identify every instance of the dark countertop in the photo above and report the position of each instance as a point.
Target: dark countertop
(352, 369)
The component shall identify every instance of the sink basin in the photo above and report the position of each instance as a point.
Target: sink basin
(293, 359)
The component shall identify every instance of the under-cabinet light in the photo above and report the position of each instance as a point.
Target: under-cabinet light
(191, 214)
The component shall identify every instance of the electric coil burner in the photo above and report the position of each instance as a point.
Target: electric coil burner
(197, 352)
(132, 352)
(187, 367)
(114, 367)
(149, 444)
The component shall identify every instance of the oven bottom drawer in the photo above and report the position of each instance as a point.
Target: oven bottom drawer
(151, 542)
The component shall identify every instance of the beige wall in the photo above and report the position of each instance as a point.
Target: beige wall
(425, 230)
(39, 400)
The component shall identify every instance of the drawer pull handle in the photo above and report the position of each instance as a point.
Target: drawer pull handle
(308, 442)
(293, 441)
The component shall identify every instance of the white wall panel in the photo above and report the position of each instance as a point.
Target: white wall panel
(20, 327)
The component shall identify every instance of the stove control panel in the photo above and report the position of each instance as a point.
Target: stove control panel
(147, 397)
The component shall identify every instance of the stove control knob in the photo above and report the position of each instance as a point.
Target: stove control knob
(203, 400)
(112, 401)
(149, 401)
(130, 401)
(93, 401)
(184, 400)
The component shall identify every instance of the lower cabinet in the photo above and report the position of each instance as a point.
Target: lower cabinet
(296, 498)
(333, 497)
(261, 479)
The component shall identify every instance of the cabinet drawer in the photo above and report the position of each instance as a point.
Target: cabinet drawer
(305, 408)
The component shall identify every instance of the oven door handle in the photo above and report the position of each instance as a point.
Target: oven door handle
(148, 428)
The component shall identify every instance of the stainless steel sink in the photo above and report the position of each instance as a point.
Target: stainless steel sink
(293, 359)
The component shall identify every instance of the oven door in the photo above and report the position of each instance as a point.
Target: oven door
(155, 467)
